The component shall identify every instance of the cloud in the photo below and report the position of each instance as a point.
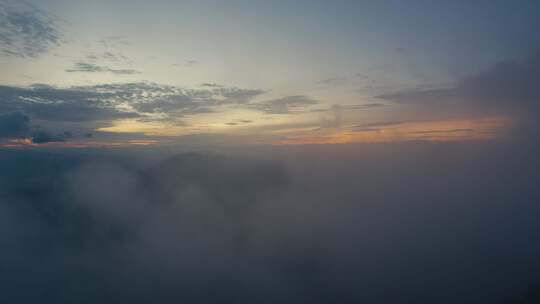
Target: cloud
(176, 101)
(333, 81)
(26, 31)
(507, 89)
(191, 63)
(211, 85)
(114, 56)
(507, 86)
(446, 131)
(41, 137)
(365, 106)
(285, 105)
(13, 125)
(76, 104)
(108, 102)
(422, 96)
(109, 56)
(211, 229)
(238, 122)
(17, 125)
(114, 42)
(85, 67)
(236, 95)
(160, 221)
(381, 124)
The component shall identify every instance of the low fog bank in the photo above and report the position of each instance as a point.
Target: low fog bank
(382, 223)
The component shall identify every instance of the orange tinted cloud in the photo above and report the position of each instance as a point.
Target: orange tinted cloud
(446, 130)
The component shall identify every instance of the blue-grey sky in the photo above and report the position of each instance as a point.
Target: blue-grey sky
(266, 71)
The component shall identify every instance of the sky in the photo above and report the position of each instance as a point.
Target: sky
(259, 72)
(267, 152)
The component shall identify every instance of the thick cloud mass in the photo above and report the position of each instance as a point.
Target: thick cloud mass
(13, 125)
(393, 223)
(509, 87)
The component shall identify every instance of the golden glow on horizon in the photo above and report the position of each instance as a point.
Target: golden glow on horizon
(134, 126)
(448, 130)
(443, 130)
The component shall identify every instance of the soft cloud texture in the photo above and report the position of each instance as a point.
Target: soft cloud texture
(507, 87)
(115, 101)
(85, 67)
(393, 223)
(285, 105)
(25, 30)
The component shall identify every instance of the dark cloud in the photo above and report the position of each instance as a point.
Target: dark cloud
(26, 31)
(13, 125)
(422, 96)
(509, 86)
(61, 104)
(381, 124)
(507, 89)
(237, 122)
(41, 137)
(108, 102)
(285, 105)
(18, 125)
(84, 67)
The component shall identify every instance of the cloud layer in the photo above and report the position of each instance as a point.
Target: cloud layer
(395, 223)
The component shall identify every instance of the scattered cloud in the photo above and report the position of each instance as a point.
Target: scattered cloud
(333, 80)
(86, 67)
(113, 42)
(187, 64)
(211, 85)
(238, 122)
(286, 105)
(191, 63)
(107, 56)
(364, 106)
(98, 106)
(26, 31)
